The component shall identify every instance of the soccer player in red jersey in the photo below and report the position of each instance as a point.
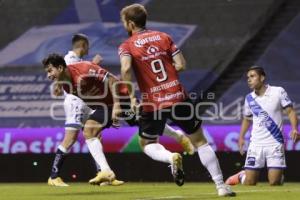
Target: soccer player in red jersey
(156, 60)
(94, 85)
(73, 107)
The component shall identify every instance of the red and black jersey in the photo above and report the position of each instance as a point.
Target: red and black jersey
(152, 63)
(88, 82)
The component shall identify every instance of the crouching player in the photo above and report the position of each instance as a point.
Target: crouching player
(264, 105)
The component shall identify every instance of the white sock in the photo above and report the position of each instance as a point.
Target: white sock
(169, 131)
(96, 150)
(210, 161)
(63, 149)
(158, 152)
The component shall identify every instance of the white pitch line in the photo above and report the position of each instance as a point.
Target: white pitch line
(157, 198)
(214, 193)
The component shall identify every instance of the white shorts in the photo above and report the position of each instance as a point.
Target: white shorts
(273, 155)
(76, 112)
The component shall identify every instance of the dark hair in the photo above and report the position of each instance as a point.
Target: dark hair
(136, 13)
(79, 36)
(54, 59)
(259, 70)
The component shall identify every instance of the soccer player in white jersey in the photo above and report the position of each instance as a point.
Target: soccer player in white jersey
(265, 106)
(73, 123)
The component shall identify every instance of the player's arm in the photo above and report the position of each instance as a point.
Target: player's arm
(179, 62)
(291, 113)
(97, 59)
(287, 106)
(112, 84)
(244, 128)
(126, 75)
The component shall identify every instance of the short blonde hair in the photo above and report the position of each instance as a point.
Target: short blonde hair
(136, 13)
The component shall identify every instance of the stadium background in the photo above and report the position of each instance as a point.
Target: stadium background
(219, 38)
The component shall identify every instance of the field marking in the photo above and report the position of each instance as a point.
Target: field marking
(157, 198)
(262, 190)
(215, 193)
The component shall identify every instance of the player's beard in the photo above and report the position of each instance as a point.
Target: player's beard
(129, 33)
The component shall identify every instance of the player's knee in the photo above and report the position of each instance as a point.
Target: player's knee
(89, 133)
(275, 182)
(250, 182)
(68, 143)
(143, 142)
(198, 139)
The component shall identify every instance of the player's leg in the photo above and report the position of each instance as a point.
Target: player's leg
(133, 119)
(251, 177)
(255, 161)
(62, 150)
(92, 130)
(276, 163)
(73, 107)
(275, 176)
(236, 178)
(149, 130)
(184, 117)
(180, 137)
(210, 161)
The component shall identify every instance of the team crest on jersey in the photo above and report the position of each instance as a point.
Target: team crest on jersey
(152, 49)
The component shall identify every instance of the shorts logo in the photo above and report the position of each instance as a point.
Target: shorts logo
(251, 161)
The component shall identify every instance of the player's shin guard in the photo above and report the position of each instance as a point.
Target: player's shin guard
(210, 161)
(158, 152)
(58, 161)
(96, 150)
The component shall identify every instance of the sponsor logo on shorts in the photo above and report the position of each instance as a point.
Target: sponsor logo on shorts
(251, 161)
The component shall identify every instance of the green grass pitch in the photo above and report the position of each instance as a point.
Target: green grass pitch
(143, 191)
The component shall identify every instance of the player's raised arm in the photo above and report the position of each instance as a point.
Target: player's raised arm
(179, 62)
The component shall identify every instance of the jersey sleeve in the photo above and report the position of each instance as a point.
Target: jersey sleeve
(124, 50)
(246, 110)
(285, 100)
(100, 73)
(71, 59)
(172, 46)
(91, 71)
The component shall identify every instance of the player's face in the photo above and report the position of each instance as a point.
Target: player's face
(85, 47)
(53, 73)
(255, 81)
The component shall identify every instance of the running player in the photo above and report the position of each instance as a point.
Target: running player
(264, 106)
(88, 80)
(80, 45)
(74, 107)
(155, 60)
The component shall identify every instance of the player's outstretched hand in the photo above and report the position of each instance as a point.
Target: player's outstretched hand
(241, 145)
(295, 135)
